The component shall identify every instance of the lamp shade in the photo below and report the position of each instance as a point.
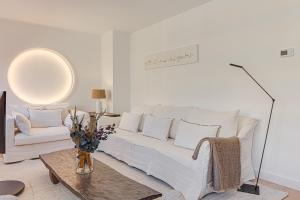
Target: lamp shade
(98, 94)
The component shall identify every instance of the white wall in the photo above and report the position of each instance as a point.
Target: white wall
(81, 49)
(246, 32)
(115, 73)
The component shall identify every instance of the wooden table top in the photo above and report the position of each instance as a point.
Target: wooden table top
(104, 183)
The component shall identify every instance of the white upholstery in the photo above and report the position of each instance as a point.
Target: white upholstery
(172, 164)
(177, 113)
(22, 122)
(45, 118)
(33, 147)
(189, 135)
(143, 109)
(157, 127)
(163, 160)
(42, 135)
(130, 121)
(227, 120)
(245, 133)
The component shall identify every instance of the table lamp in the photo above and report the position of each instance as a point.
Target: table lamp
(98, 94)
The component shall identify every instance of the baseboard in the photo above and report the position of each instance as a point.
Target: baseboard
(281, 180)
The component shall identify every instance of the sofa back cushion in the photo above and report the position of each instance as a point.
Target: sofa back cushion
(175, 112)
(157, 127)
(189, 134)
(130, 122)
(227, 120)
(45, 118)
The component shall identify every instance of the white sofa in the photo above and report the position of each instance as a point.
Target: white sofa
(173, 164)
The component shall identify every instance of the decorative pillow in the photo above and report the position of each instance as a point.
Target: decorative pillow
(22, 122)
(130, 122)
(143, 109)
(227, 120)
(45, 118)
(246, 130)
(80, 115)
(190, 134)
(175, 112)
(157, 127)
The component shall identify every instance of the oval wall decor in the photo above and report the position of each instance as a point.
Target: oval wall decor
(41, 76)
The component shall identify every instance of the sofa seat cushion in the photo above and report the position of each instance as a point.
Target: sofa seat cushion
(166, 148)
(42, 135)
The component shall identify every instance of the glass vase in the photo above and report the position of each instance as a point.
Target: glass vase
(84, 162)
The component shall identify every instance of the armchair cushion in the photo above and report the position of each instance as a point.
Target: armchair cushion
(42, 135)
(22, 122)
(45, 118)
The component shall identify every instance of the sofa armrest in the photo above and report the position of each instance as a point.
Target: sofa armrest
(10, 131)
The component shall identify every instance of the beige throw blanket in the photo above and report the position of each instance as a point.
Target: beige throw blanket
(225, 162)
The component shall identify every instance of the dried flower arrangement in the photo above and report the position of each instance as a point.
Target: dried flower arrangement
(87, 139)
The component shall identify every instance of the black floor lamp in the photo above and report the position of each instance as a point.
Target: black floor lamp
(254, 189)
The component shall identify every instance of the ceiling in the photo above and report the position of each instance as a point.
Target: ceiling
(94, 16)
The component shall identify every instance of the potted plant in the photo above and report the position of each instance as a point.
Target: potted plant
(87, 140)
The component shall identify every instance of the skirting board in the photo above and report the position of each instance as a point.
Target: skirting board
(281, 180)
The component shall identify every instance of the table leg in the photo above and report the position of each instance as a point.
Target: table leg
(53, 178)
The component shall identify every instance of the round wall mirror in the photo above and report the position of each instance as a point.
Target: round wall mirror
(41, 76)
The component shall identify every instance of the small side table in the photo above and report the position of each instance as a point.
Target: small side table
(108, 119)
(105, 114)
(11, 187)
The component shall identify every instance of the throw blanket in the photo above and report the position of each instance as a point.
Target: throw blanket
(225, 162)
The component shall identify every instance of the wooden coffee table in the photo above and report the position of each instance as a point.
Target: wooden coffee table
(104, 183)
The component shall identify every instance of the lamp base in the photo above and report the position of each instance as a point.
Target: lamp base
(251, 189)
(98, 107)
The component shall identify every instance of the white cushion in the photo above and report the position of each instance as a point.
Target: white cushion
(189, 134)
(19, 109)
(22, 122)
(227, 120)
(42, 135)
(80, 114)
(142, 109)
(45, 118)
(64, 107)
(130, 121)
(175, 112)
(245, 134)
(157, 127)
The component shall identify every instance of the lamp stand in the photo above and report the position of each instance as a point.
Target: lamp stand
(248, 188)
(98, 106)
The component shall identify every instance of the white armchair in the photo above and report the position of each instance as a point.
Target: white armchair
(20, 146)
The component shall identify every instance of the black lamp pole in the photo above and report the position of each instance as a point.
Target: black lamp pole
(254, 189)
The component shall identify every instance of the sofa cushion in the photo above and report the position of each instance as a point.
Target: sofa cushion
(189, 134)
(227, 120)
(245, 133)
(22, 122)
(175, 112)
(157, 127)
(45, 118)
(130, 121)
(143, 110)
(42, 135)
